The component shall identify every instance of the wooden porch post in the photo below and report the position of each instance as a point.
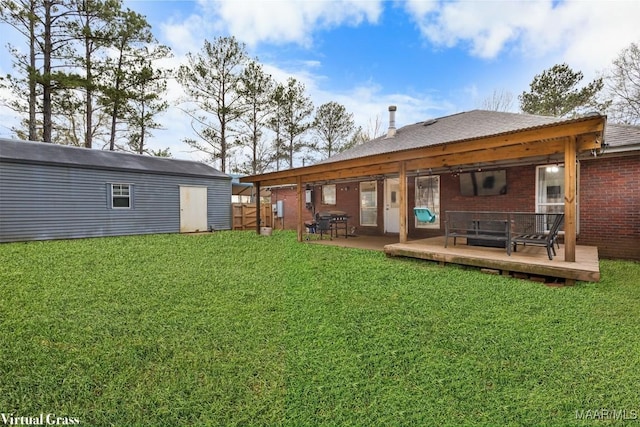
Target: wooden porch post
(258, 219)
(300, 207)
(402, 199)
(570, 199)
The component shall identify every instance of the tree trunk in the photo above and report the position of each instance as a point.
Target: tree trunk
(223, 147)
(116, 101)
(33, 130)
(47, 124)
(88, 135)
(142, 128)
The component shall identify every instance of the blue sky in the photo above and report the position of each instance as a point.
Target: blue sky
(430, 58)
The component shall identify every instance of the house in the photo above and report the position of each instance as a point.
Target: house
(482, 161)
(50, 191)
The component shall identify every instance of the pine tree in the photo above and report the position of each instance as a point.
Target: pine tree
(255, 89)
(554, 93)
(146, 99)
(210, 79)
(297, 110)
(333, 125)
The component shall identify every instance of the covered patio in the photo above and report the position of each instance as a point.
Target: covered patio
(554, 140)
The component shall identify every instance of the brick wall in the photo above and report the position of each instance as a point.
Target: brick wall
(520, 196)
(289, 196)
(610, 206)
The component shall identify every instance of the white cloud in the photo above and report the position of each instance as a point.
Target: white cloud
(604, 29)
(288, 21)
(369, 103)
(586, 34)
(183, 37)
(420, 8)
(488, 26)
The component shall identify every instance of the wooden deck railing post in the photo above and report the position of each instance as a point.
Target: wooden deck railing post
(300, 195)
(570, 199)
(257, 185)
(402, 199)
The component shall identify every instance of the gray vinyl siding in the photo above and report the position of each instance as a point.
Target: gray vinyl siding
(39, 202)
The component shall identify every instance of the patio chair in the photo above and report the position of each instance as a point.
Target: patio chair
(548, 240)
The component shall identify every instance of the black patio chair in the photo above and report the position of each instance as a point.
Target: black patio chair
(547, 240)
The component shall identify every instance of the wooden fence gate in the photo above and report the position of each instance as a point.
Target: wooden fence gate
(244, 216)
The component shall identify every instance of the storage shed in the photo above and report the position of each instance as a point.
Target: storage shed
(50, 191)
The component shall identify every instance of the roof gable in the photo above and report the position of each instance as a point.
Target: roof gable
(62, 155)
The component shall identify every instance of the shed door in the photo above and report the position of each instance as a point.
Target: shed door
(193, 209)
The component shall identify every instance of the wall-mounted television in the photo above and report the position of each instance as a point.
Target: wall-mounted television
(484, 183)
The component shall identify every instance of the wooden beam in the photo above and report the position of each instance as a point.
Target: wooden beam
(300, 208)
(362, 171)
(570, 197)
(589, 141)
(340, 173)
(523, 151)
(258, 219)
(403, 200)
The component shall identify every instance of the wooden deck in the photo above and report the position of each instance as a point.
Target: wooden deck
(529, 261)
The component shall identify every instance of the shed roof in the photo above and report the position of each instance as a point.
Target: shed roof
(18, 151)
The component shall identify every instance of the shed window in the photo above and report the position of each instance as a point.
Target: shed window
(329, 194)
(121, 196)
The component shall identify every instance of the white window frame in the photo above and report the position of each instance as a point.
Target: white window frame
(421, 200)
(117, 192)
(541, 207)
(372, 208)
(329, 194)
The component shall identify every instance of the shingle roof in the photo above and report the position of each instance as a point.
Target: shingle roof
(470, 125)
(617, 136)
(63, 155)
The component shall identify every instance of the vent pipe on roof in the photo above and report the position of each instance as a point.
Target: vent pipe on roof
(392, 121)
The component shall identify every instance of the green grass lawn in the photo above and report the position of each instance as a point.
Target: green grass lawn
(237, 329)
